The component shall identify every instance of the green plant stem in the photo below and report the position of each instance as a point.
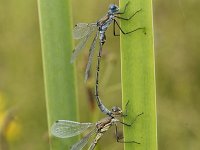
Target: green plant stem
(138, 76)
(59, 74)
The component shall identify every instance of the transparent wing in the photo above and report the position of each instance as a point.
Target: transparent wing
(82, 29)
(94, 142)
(92, 146)
(67, 128)
(91, 54)
(79, 47)
(80, 144)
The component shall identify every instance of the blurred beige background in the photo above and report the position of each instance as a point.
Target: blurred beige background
(177, 42)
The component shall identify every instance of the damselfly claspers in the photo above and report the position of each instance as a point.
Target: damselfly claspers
(67, 128)
(83, 31)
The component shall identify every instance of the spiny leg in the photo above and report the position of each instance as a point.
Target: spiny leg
(114, 30)
(136, 118)
(129, 125)
(123, 31)
(124, 9)
(119, 139)
(125, 114)
(129, 17)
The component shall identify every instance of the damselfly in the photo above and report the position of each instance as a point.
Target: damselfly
(83, 31)
(67, 128)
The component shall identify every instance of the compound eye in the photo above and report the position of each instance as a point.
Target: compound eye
(112, 7)
(116, 109)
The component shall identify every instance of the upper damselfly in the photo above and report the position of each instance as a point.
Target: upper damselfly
(83, 31)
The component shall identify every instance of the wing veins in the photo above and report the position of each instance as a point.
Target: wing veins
(80, 144)
(91, 54)
(67, 128)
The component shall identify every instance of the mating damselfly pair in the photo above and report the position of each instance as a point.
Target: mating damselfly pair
(83, 31)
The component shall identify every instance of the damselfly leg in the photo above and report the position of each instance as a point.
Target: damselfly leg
(129, 17)
(118, 17)
(120, 139)
(124, 9)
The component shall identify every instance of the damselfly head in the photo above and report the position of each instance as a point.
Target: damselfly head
(113, 9)
(116, 111)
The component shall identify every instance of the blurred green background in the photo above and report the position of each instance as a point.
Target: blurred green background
(22, 101)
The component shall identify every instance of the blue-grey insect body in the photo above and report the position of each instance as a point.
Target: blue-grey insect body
(83, 31)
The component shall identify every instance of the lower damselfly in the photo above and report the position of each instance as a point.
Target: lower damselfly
(67, 128)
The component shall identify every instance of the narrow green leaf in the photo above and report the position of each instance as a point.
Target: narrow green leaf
(59, 74)
(138, 76)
